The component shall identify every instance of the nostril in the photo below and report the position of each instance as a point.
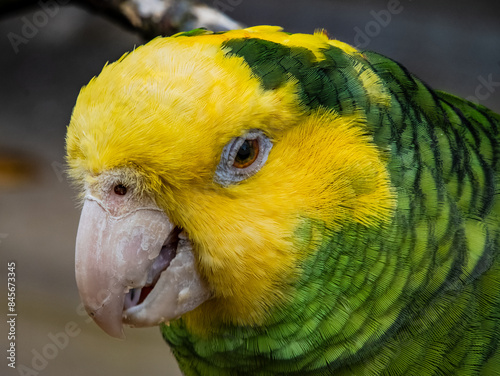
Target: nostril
(120, 189)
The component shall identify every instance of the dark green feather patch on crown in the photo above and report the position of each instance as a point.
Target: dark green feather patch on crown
(332, 83)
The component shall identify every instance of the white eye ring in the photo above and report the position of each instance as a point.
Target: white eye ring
(226, 172)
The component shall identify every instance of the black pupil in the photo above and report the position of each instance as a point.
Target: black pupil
(245, 151)
(120, 189)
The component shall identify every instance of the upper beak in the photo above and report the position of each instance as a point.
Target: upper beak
(118, 253)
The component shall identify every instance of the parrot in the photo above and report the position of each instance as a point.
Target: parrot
(288, 204)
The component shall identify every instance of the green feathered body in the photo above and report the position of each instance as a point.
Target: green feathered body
(419, 296)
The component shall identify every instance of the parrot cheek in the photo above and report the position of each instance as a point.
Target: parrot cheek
(117, 256)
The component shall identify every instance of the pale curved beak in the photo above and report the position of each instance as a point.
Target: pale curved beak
(116, 256)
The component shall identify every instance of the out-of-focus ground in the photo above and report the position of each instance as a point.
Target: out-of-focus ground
(452, 45)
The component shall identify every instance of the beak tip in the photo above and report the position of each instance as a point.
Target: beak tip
(108, 321)
(121, 336)
(114, 331)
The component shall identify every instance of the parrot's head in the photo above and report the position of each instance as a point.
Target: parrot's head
(203, 175)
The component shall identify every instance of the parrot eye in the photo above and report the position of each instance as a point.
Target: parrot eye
(247, 153)
(120, 189)
(242, 157)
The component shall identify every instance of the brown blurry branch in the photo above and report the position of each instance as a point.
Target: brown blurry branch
(163, 17)
(149, 17)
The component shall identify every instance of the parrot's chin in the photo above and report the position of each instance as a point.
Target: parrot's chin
(134, 266)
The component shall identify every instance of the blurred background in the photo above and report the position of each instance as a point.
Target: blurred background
(452, 45)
